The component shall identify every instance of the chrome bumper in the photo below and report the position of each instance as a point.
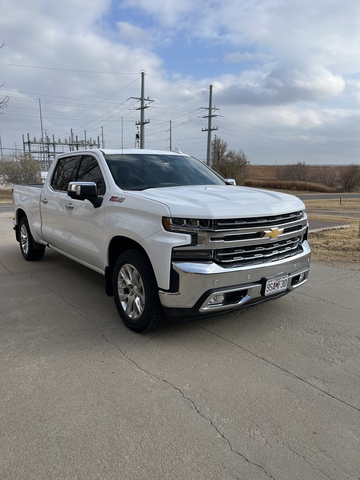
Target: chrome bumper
(199, 283)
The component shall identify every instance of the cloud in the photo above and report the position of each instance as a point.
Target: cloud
(168, 13)
(238, 57)
(316, 85)
(325, 30)
(272, 64)
(279, 87)
(68, 15)
(133, 34)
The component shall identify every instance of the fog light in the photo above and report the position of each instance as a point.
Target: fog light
(301, 277)
(217, 299)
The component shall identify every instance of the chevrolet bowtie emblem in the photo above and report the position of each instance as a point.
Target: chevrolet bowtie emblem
(274, 232)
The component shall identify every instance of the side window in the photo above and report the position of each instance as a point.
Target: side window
(89, 171)
(65, 172)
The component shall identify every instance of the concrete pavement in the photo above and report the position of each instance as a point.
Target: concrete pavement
(269, 392)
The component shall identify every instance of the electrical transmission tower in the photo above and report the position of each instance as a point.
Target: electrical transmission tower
(209, 128)
(45, 148)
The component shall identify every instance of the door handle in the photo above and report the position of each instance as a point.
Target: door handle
(70, 206)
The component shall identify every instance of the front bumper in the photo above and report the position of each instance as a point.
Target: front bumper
(199, 283)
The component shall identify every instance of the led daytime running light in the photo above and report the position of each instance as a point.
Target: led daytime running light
(187, 224)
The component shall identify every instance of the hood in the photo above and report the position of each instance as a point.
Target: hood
(220, 201)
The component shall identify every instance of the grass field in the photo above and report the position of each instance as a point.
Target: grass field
(336, 245)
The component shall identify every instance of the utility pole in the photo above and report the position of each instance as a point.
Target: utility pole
(209, 128)
(42, 154)
(170, 137)
(102, 138)
(122, 133)
(142, 108)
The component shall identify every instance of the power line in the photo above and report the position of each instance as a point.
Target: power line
(65, 69)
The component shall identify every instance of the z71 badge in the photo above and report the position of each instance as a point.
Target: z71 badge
(117, 199)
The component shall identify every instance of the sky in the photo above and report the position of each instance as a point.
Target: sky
(285, 75)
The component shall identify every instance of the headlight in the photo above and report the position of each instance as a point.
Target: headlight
(186, 224)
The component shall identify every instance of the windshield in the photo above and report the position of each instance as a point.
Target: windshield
(142, 171)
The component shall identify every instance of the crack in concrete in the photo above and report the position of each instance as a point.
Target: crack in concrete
(307, 294)
(280, 368)
(305, 460)
(6, 268)
(196, 409)
(70, 305)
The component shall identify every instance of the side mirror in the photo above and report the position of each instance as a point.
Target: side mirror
(85, 191)
(230, 181)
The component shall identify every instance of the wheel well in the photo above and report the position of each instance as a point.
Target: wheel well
(119, 245)
(116, 247)
(19, 215)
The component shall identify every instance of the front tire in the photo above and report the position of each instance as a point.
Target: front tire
(136, 293)
(29, 248)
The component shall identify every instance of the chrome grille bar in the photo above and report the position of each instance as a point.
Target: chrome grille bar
(261, 252)
(226, 224)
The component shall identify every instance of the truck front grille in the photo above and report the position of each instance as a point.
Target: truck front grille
(248, 241)
(257, 254)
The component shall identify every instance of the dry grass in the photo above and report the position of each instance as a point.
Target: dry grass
(336, 246)
(5, 195)
(334, 205)
(292, 185)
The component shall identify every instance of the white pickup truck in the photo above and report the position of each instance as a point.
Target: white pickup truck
(171, 237)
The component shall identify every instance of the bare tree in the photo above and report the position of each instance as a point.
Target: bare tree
(22, 168)
(349, 178)
(228, 163)
(218, 152)
(326, 176)
(235, 166)
(297, 172)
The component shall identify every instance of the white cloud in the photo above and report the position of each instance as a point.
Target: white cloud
(301, 62)
(169, 13)
(133, 34)
(238, 57)
(320, 81)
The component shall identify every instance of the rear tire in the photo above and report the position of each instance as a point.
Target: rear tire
(29, 248)
(136, 293)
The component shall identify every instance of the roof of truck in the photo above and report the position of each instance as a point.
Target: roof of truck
(119, 151)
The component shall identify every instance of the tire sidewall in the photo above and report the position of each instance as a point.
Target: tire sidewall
(152, 309)
(32, 253)
(24, 223)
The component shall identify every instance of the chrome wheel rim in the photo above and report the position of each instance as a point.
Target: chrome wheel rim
(24, 239)
(131, 291)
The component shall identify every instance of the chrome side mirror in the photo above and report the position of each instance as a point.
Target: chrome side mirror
(85, 191)
(82, 189)
(230, 181)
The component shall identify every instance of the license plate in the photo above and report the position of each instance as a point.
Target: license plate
(276, 285)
